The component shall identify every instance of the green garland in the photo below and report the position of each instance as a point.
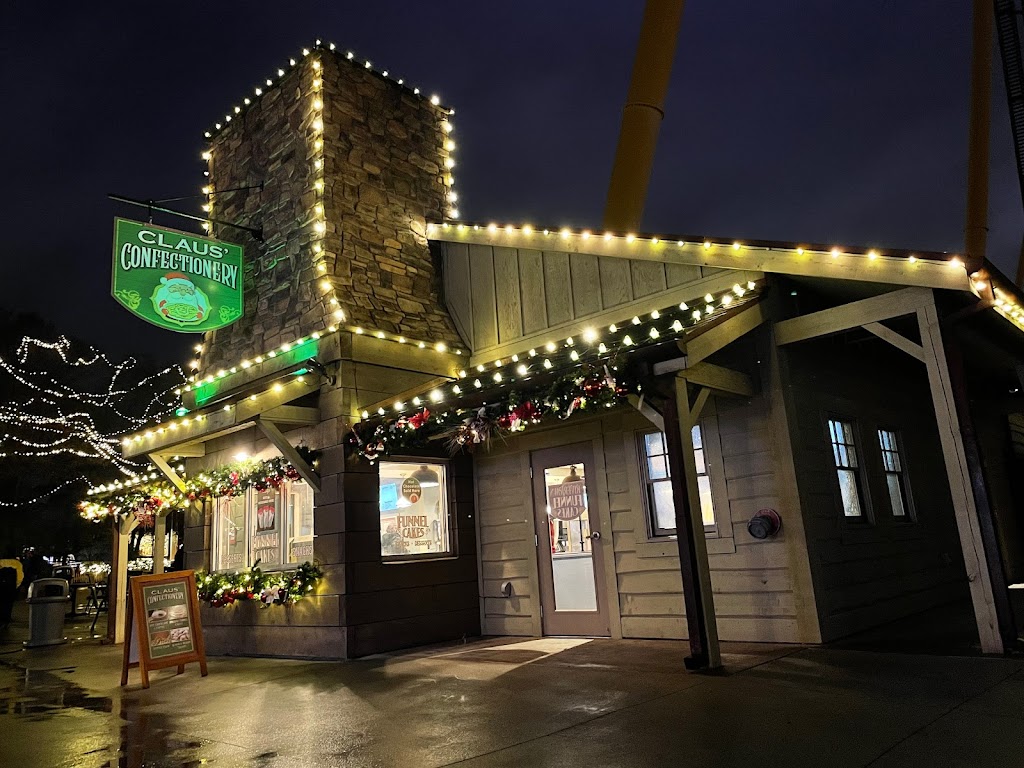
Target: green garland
(585, 389)
(229, 480)
(275, 588)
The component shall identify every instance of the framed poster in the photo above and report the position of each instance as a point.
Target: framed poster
(163, 627)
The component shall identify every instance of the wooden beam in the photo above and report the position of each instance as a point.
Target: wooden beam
(704, 344)
(216, 423)
(669, 366)
(647, 411)
(298, 415)
(900, 342)
(288, 451)
(698, 405)
(719, 378)
(168, 471)
(408, 394)
(964, 505)
(407, 357)
(853, 315)
(779, 259)
(194, 451)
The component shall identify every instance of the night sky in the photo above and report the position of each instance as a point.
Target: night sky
(832, 122)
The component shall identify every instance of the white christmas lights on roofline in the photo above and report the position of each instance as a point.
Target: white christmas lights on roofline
(529, 232)
(195, 380)
(173, 425)
(432, 98)
(592, 345)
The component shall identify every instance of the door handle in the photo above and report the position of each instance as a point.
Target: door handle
(595, 535)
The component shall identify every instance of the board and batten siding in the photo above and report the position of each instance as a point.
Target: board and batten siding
(752, 582)
(498, 296)
(871, 571)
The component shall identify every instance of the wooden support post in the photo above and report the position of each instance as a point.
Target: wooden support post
(117, 597)
(159, 532)
(693, 555)
(957, 468)
(287, 450)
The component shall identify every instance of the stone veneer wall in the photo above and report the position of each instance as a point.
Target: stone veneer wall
(269, 143)
(384, 176)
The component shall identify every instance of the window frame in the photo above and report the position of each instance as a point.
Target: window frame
(858, 471)
(655, 532)
(909, 512)
(248, 529)
(448, 486)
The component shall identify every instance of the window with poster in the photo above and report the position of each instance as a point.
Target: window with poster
(415, 519)
(272, 527)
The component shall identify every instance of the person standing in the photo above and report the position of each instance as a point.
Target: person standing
(11, 576)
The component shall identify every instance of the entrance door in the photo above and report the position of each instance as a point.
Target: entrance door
(570, 547)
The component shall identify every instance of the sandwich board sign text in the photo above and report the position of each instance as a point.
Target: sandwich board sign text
(163, 627)
(176, 280)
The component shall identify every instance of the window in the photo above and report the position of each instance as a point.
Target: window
(414, 514)
(660, 506)
(844, 451)
(272, 527)
(893, 468)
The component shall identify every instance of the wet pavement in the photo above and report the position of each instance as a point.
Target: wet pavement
(516, 702)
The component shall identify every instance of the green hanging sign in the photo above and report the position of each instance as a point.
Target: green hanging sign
(176, 280)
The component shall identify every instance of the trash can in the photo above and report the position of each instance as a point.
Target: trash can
(47, 599)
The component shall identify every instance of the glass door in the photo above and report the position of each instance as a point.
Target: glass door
(570, 555)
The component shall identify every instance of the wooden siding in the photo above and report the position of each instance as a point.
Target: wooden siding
(873, 571)
(498, 296)
(752, 581)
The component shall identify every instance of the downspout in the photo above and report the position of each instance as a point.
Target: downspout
(642, 116)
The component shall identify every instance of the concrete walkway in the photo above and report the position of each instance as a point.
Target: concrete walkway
(515, 702)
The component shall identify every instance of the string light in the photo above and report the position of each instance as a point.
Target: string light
(690, 246)
(434, 100)
(46, 416)
(661, 325)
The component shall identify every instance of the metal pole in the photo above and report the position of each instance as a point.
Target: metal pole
(642, 116)
(976, 226)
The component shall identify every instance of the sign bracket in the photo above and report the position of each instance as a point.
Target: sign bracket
(153, 205)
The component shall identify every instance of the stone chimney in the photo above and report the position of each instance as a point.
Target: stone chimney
(352, 166)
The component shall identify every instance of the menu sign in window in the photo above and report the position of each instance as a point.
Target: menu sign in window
(167, 621)
(266, 540)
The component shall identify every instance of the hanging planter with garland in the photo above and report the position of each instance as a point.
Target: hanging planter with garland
(275, 588)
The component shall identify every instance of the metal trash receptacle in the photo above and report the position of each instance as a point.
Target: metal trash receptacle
(47, 601)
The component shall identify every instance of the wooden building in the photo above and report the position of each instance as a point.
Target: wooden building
(867, 400)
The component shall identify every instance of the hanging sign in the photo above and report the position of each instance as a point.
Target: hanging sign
(176, 280)
(162, 625)
(566, 501)
(412, 490)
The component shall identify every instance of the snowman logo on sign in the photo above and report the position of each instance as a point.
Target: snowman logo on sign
(178, 299)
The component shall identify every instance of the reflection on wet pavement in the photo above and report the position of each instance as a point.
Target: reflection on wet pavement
(501, 702)
(40, 692)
